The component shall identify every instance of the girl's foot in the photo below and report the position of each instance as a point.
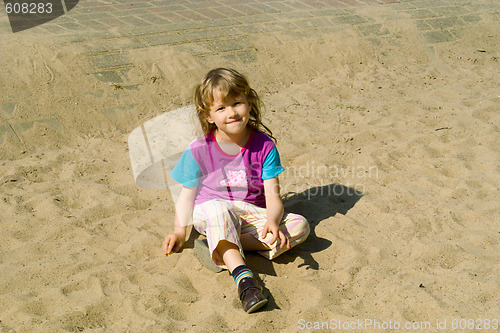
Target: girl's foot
(251, 295)
(203, 254)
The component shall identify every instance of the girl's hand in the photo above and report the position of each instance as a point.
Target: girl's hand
(173, 242)
(272, 228)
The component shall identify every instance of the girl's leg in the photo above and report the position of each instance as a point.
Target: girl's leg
(230, 254)
(221, 226)
(250, 243)
(218, 222)
(295, 227)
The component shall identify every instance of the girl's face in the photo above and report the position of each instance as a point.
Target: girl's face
(230, 115)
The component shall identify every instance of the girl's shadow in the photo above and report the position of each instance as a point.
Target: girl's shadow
(315, 204)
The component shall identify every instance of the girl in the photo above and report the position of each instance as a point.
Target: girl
(230, 185)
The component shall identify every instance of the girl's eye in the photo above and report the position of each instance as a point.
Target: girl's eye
(220, 109)
(237, 103)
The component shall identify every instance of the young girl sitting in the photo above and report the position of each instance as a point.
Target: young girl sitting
(230, 185)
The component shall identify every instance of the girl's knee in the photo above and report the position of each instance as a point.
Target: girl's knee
(299, 226)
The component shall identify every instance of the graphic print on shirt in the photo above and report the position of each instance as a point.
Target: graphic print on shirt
(234, 178)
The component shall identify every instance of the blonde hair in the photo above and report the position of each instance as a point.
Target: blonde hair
(230, 83)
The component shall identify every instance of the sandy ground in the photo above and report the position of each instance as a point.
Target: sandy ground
(416, 130)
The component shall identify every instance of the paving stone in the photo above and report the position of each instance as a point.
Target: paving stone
(199, 35)
(374, 41)
(231, 57)
(228, 11)
(264, 8)
(113, 22)
(229, 45)
(89, 16)
(120, 44)
(191, 15)
(482, 6)
(331, 29)
(210, 13)
(119, 110)
(134, 6)
(135, 21)
(190, 25)
(295, 15)
(110, 60)
(440, 36)
(247, 10)
(389, 17)
(471, 18)
(451, 10)
(348, 19)
(143, 30)
(124, 73)
(164, 39)
(7, 130)
(72, 26)
(312, 23)
(8, 110)
(423, 25)
(96, 93)
(154, 19)
(170, 8)
(444, 22)
(257, 19)
(27, 125)
(52, 122)
(315, 4)
(248, 29)
(402, 6)
(329, 12)
(219, 23)
(108, 76)
(282, 7)
(95, 25)
(196, 49)
(352, 2)
(421, 13)
(457, 32)
(277, 26)
(373, 29)
(428, 3)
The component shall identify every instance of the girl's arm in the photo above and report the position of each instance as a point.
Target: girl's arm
(183, 213)
(274, 211)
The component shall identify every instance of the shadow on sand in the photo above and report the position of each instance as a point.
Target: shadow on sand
(315, 204)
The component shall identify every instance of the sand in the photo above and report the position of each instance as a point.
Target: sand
(397, 143)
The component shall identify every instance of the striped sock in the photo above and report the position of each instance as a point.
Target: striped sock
(241, 272)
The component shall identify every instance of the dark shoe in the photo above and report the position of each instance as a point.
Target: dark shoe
(251, 295)
(203, 253)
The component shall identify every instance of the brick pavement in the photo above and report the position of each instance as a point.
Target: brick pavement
(104, 31)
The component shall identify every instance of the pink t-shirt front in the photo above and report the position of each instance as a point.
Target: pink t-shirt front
(218, 175)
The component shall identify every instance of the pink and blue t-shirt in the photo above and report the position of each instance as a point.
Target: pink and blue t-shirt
(218, 175)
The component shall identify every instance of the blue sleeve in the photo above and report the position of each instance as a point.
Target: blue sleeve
(186, 171)
(272, 165)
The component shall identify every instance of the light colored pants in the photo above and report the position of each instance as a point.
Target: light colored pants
(227, 220)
